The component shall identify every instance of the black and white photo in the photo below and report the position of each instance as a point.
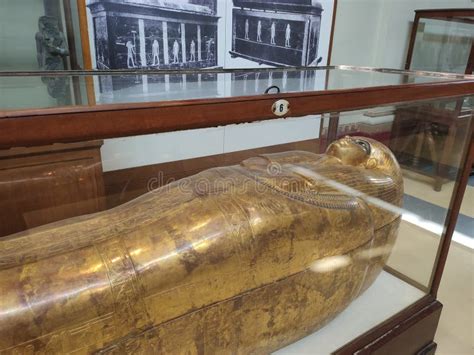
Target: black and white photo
(158, 34)
(197, 34)
(269, 33)
(275, 33)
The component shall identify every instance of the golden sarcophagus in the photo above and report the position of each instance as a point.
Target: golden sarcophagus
(240, 259)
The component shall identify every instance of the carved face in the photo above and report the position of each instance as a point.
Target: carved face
(354, 151)
(363, 152)
(48, 25)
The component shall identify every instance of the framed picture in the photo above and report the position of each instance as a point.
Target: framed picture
(152, 34)
(279, 32)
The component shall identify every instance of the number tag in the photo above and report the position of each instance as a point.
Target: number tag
(281, 107)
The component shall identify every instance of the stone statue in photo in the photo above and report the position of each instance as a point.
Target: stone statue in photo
(130, 54)
(175, 52)
(272, 33)
(155, 49)
(247, 29)
(259, 31)
(192, 51)
(287, 35)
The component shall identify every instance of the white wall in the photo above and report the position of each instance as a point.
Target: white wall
(18, 27)
(122, 153)
(355, 33)
(396, 27)
(376, 32)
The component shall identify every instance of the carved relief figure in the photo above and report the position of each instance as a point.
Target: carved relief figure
(192, 51)
(247, 29)
(210, 49)
(175, 52)
(272, 33)
(52, 49)
(50, 44)
(155, 49)
(130, 54)
(287, 35)
(230, 260)
(259, 31)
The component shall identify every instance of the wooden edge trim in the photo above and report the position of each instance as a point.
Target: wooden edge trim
(406, 279)
(70, 35)
(411, 46)
(470, 61)
(376, 335)
(218, 70)
(331, 37)
(437, 13)
(86, 50)
(452, 215)
(404, 326)
(438, 89)
(49, 149)
(84, 32)
(38, 127)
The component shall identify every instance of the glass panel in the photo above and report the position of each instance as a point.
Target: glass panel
(265, 225)
(443, 45)
(33, 35)
(428, 140)
(66, 90)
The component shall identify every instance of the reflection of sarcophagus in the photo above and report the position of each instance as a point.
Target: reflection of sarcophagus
(154, 33)
(277, 32)
(237, 259)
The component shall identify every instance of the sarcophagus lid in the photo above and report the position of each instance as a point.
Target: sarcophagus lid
(237, 259)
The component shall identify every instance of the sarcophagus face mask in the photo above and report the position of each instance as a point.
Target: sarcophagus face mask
(238, 259)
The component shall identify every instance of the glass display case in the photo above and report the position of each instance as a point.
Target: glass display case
(191, 211)
(441, 41)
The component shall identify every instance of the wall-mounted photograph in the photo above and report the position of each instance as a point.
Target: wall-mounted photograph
(279, 32)
(157, 34)
(197, 34)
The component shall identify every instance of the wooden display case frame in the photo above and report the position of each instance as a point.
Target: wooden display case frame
(456, 15)
(452, 117)
(410, 331)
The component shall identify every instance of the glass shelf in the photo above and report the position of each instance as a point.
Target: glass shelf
(36, 90)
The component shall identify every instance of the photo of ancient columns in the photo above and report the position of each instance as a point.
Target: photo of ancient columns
(276, 33)
(130, 37)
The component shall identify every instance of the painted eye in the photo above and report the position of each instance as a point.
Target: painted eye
(364, 144)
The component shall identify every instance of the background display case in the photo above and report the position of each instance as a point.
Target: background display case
(62, 161)
(441, 41)
(278, 33)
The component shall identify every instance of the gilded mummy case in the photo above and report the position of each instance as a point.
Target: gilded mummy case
(304, 18)
(231, 260)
